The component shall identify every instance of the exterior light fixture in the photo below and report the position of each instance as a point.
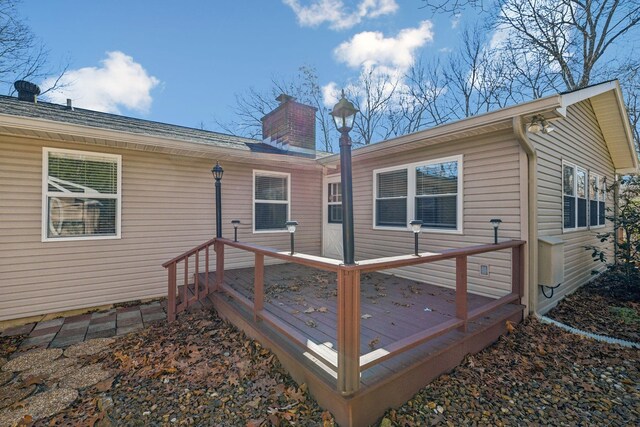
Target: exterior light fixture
(540, 124)
(291, 228)
(496, 223)
(344, 114)
(236, 223)
(416, 227)
(217, 172)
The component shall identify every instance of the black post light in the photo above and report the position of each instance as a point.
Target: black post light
(291, 228)
(236, 223)
(344, 114)
(416, 227)
(496, 223)
(217, 172)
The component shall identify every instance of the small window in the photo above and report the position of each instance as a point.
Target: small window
(271, 201)
(437, 195)
(81, 195)
(569, 195)
(581, 192)
(597, 197)
(334, 192)
(391, 198)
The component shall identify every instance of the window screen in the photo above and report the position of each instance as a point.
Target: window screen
(437, 195)
(82, 194)
(271, 202)
(391, 200)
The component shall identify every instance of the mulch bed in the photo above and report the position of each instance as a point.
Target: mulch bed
(606, 306)
(201, 370)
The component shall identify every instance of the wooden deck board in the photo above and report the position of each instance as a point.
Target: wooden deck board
(396, 307)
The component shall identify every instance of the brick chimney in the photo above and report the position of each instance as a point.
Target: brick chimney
(291, 126)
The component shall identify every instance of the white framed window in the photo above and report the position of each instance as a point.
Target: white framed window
(271, 201)
(597, 200)
(583, 198)
(334, 203)
(81, 195)
(430, 191)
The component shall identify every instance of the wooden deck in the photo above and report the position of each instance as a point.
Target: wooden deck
(392, 308)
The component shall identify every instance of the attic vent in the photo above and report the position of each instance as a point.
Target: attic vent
(27, 91)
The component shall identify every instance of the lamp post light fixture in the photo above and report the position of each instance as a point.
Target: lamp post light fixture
(496, 223)
(236, 223)
(291, 228)
(344, 114)
(217, 172)
(416, 227)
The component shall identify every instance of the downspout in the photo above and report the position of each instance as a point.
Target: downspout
(532, 192)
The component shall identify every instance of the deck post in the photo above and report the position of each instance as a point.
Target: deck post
(258, 286)
(517, 270)
(219, 248)
(171, 296)
(461, 291)
(348, 331)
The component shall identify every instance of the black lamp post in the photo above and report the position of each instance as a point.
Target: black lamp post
(496, 223)
(416, 227)
(344, 114)
(291, 228)
(217, 172)
(236, 223)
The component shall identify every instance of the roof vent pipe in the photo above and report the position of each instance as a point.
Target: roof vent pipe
(69, 104)
(27, 91)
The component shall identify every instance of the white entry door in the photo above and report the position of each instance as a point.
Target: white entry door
(332, 217)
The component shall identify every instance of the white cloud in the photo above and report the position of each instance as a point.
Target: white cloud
(337, 14)
(330, 94)
(445, 49)
(118, 82)
(372, 49)
(455, 21)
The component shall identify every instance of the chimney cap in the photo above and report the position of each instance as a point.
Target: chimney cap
(27, 91)
(284, 98)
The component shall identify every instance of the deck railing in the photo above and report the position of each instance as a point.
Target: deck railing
(347, 361)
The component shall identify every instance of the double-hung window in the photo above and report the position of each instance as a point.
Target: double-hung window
(583, 198)
(271, 194)
(81, 195)
(391, 198)
(428, 191)
(334, 203)
(597, 197)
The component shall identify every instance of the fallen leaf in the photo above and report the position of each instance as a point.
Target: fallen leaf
(310, 310)
(105, 385)
(366, 316)
(374, 342)
(510, 326)
(33, 380)
(323, 309)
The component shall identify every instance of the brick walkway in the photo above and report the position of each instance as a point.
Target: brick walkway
(65, 331)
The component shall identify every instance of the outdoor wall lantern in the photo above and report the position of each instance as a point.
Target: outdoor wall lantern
(496, 223)
(217, 172)
(291, 228)
(540, 124)
(344, 114)
(416, 227)
(236, 223)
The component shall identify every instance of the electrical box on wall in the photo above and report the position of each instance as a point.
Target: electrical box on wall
(550, 261)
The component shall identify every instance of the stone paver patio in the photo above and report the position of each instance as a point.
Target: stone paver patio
(66, 331)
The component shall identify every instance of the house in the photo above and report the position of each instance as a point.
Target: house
(92, 204)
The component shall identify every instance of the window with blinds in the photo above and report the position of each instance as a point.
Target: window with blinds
(391, 198)
(82, 195)
(429, 191)
(583, 198)
(437, 195)
(597, 197)
(271, 201)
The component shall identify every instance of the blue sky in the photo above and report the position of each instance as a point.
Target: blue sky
(183, 62)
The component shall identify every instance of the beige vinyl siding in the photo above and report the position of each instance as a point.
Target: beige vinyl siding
(577, 139)
(491, 189)
(167, 208)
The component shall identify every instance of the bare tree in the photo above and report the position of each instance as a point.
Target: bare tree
(252, 105)
(374, 94)
(22, 56)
